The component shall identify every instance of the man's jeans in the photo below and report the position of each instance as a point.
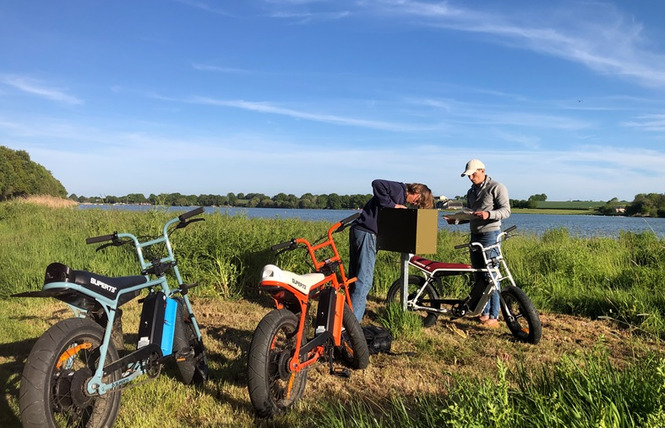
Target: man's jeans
(486, 239)
(362, 252)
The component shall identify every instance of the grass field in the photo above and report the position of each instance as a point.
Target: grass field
(600, 362)
(569, 205)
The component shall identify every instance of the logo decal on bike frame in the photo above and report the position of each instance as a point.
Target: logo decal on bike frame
(299, 284)
(103, 285)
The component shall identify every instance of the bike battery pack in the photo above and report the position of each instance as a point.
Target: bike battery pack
(169, 326)
(329, 313)
(157, 322)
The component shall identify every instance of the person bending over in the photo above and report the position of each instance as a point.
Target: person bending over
(362, 236)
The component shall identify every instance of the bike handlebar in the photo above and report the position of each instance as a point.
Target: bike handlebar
(182, 218)
(191, 213)
(499, 239)
(292, 243)
(282, 245)
(347, 221)
(101, 238)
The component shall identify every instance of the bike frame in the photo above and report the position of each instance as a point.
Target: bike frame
(133, 369)
(496, 271)
(330, 273)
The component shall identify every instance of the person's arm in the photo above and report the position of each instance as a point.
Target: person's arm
(387, 193)
(501, 203)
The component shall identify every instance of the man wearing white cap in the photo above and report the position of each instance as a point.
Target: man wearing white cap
(490, 204)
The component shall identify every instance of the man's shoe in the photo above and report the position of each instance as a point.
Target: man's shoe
(483, 318)
(490, 323)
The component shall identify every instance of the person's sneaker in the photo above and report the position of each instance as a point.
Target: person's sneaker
(483, 318)
(490, 323)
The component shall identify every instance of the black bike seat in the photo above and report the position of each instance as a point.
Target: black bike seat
(107, 286)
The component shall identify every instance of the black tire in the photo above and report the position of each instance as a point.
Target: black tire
(51, 391)
(353, 349)
(520, 315)
(189, 351)
(272, 387)
(426, 299)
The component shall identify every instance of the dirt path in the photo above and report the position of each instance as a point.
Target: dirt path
(425, 365)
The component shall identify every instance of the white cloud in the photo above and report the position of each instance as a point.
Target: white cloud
(595, 34)
(263, 107)
(650, 122)
(35, 87)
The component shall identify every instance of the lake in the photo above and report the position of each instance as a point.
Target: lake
(578, 225)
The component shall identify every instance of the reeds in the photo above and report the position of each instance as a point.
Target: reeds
(592, 277)
(619, 278)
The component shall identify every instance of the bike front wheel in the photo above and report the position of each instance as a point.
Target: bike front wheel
(520, 315)
(353, 349)
(189, 350)
(428, 298)
(54, 379)
(273, 387)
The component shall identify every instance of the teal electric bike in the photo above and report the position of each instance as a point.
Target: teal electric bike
(75, 372)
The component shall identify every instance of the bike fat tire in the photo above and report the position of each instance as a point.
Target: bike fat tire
(354, 349)
(526, 326)
(272, 387)
(193, 369)
(45, 396)
(415, 283)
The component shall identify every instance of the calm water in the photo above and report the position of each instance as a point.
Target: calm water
(580, 225)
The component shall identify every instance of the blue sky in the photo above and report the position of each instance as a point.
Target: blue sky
(565, 98)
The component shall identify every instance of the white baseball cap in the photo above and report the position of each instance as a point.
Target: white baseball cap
(472, 166)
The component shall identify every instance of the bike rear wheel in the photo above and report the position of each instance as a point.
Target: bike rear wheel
(54, 378)
(189, 350)
(273, 387)
(427, 298)
(520, 315)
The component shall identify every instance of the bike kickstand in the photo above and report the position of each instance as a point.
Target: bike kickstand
(342, 371)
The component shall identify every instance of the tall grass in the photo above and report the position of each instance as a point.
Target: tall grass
(581, 392)
(615, 278)
(619, 278)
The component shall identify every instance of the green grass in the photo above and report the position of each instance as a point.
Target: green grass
(569, 205)
(576, 393)
(612, 278)
(555, 211)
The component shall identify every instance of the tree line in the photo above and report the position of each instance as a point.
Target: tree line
(20, 176)
(644, 205)
(331, 201)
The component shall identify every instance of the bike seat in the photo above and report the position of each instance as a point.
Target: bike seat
(439, 268)
(272, 275)
(108, 287)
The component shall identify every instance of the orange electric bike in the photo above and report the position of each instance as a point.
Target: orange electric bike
(294, 335)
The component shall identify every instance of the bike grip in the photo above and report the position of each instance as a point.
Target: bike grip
(349, 219)
(191, 213)
(460, 246)
(510, 229)
(101, 238)
(286, 244)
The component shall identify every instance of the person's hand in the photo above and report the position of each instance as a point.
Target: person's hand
(450, 220)
(400, 206)
(483, 215)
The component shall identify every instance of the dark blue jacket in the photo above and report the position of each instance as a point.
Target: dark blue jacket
(386, 194)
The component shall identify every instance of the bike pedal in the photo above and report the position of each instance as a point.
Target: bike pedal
(184, 355)
(341, 372)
